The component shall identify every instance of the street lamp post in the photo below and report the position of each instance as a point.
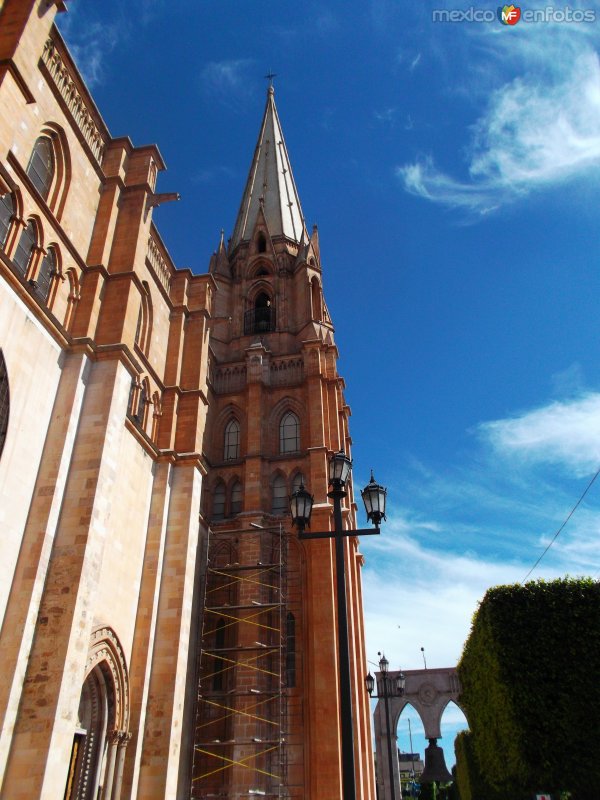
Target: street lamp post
(301, 503)
(387, 687)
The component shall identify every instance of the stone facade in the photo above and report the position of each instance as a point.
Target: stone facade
(153, 416)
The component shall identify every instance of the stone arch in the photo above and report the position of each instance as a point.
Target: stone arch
(278, 484)
(73, 298)
(232, 411)
(143, 331)
(260, 287)
(28, 246)
(57, 191)
(101, 735)
(276, 414)
(316, 299)
(47, 276)
(259, 269)
(297, 475)
(11, 211)
(428, 691)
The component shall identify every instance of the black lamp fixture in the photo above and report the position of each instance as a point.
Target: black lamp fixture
(339, 469)
(373, 496)
(301, 503)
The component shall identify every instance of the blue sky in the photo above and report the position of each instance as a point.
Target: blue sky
(453, 170)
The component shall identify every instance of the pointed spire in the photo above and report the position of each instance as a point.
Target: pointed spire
(270, 185)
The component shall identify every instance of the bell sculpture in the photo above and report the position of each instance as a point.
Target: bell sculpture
(435, 764)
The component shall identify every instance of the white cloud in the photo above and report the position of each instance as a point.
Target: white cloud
(566, 433)
(539, 129)
(227, 80)
(91, 43)
(414, 63)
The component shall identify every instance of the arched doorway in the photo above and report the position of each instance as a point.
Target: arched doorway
(101, 735)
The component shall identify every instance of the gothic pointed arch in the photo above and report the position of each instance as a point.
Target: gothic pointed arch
(298, 480)
(219, 498)
(143, 330)
(7, 215)
(48, 271)
(289, 433)
(49, 167)
(101, 731)
(231, 440)
(29, 240)
(236, 497)
(279, 493)
(278, 411)
(73, 297)
(316, 299)
(42, 165)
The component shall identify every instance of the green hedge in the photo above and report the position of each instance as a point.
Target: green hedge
(530, 675)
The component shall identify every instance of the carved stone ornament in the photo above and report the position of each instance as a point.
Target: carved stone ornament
(427, 694)
(105, 646)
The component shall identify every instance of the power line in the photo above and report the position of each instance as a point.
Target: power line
(556, 535)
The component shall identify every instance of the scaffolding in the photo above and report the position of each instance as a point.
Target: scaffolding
(247, 665)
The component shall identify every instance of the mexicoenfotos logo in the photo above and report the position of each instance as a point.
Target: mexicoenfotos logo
(509, 15)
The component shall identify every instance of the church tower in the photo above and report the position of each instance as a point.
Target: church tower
(268, 684)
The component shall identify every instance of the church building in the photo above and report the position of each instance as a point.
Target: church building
(165, 634)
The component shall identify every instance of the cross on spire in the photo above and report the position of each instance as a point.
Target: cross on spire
(270, 77)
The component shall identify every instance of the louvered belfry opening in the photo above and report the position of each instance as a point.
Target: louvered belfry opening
(248, 735)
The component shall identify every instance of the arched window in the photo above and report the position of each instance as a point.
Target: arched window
(279, 501)
(131, 401)
(47, 272)
(143, 329)
(289, 433)
(4, 402)
(290, 651)
(140, 415)
(24, 251)
(298, 482)
(232, 440)
(41, 165)
(7, 212)
(261, 243)
(236, 498)
(317, 307)
(138, 327)
(219, 501)
(260, 318)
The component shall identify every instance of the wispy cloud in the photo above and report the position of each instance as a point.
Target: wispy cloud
(386, 115)
(414, 63)
(213, 173)
(91, 44)
(565, 433)
(227, 80)
(540, 129)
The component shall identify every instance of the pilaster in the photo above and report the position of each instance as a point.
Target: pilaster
(43, 732)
